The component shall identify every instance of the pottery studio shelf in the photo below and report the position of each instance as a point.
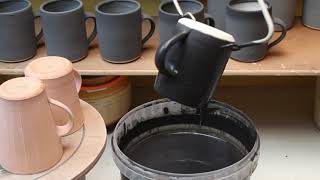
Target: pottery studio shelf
(297, 55)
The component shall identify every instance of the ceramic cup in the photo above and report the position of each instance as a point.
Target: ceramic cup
(285, 10)
(191, 62)
(64, 26)
(169, 16)
(18, 41)
(120, 30)
(63, 84)
(311, 14)
(218, 9)
(246, 23)
(29, 138)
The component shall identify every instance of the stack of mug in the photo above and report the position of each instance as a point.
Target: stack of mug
(117, 23)
(36, 110)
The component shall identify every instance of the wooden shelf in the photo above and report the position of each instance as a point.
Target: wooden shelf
(297, 55)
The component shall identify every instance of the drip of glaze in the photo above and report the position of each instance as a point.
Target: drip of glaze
(203, 113)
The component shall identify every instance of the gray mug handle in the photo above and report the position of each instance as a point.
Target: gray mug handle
(40, 34)
(209, 20)
(146, 17)
(94, 32)
(279, 22)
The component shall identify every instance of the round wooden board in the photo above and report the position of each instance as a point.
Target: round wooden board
(82, 150)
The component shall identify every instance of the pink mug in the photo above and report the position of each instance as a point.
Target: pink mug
(29, 138)
(63, 84)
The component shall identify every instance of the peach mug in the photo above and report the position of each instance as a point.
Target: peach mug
(29, 139)
(63, 84)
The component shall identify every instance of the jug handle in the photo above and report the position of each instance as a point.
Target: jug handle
(64, 129)
(160, 58)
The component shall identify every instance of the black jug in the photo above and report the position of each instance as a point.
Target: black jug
(191, 62)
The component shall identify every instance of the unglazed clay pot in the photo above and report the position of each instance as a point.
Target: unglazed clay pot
(112, 99)
(29, 138)
(63, 83)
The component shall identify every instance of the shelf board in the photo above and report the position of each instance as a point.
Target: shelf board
(290, 142)
(297, 55)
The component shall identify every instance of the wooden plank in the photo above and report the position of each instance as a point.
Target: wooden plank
(297, 55)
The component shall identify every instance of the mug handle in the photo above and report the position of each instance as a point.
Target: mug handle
(209, 20)
(146, 17)
(162, 53)
(94, 32)
(65, 129)
(279, 22)
(78, 79)
(40, 34)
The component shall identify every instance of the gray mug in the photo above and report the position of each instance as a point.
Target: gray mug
(169, 16)
(311, 14)
(285, 10)
(18, 41)
(246, 23)
(119, 25)
(218, 9)
(64, 26)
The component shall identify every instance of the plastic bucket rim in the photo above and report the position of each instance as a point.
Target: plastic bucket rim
(143, 171)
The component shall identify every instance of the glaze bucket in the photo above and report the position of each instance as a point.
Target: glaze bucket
(164, 140)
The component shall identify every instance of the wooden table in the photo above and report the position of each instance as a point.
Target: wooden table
(82, 150)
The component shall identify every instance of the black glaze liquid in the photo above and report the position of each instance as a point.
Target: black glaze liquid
(203, 113)
(184, 151)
